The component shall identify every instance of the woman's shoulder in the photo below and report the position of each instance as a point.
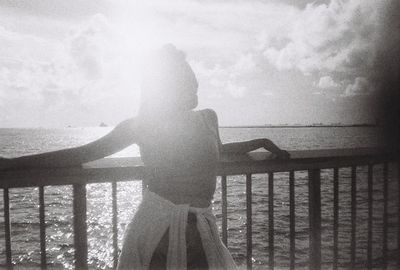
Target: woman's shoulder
(130, 123)
(210, 118)
(210, 115)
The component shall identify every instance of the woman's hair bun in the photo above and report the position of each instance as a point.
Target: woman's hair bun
(170, 53)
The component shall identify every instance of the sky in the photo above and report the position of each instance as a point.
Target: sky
(77, 63)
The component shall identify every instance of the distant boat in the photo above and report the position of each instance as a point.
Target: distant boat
(102, 124)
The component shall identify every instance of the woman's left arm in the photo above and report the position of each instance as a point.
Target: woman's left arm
(245, 146)
(119, 138)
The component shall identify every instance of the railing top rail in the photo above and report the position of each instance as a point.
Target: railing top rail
(123, 169)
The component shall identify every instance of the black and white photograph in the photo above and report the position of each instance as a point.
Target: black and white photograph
(200, 134)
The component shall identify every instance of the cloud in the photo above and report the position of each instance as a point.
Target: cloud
(327, 82)
(77, 72)
(87, 46)
(360, 86)
(267, 94)
(56, 8)
(334, 37)
(215, 23)
(90, 59)
(230, 78)
(341, 38)
(236, 91)
(93, 59)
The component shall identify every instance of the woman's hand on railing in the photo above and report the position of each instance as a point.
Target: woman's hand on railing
(282, 154)
(275, 150)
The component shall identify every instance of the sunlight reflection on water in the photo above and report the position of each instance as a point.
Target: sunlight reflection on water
(58, 201)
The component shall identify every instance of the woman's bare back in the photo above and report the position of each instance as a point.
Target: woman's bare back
(187, 145)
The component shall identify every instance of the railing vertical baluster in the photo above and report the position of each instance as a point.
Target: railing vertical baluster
(398, 213)
(314, 200)
(385, 214)
(43, 261)
(7, 229)
(353, 217)
(292, 221)
(224, 206)
(370, 215)
(335, 217)
(80, 227)
(271, 232)
(115, 223)
(249, 222)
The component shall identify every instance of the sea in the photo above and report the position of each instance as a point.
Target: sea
(58, 202)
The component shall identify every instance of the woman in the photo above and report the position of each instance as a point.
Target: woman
(173, 227)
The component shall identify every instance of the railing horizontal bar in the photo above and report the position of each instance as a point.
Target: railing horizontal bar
(43, 260)
(292, 221)
(78, 177)
(115, 223)
(385, 215)
(131, 174)
(353, 217)
(271, 232)
(125, 169)
(249, 222)
(335, 217)
(224, 207)
(370, 215)
(7, 229)
(270, 166)
(81, 177)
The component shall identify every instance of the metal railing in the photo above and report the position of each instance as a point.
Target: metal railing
(313, 161)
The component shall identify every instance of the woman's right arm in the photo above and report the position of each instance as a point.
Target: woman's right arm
(4, 163)
(119, 138)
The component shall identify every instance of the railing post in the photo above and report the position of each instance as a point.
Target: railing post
(385, 216)
(249, 222)
(314, 202)
(292, 221)
(224, 206)
(370, 214)
(353, 241)
(7, 229)
(335, 217)
(80, 227)
(43, 260)
(271, 232)
(115, 223)
(398, 214)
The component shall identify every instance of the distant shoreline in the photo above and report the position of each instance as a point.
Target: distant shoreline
(250, 126)
(302, 126)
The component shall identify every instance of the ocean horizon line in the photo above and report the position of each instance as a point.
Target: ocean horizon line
(221, 126)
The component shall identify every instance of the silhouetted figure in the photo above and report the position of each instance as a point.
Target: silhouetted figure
(174, 226)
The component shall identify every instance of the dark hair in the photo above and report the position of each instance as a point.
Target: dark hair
(168, 82)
